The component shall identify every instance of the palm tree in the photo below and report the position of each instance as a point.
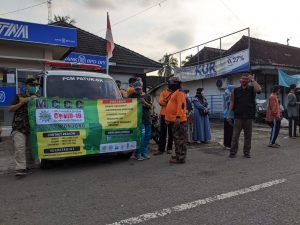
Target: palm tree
(169, 64)
(64, 19)
(187, 58)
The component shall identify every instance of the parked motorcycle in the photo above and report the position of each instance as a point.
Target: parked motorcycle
(261, 110)
(155, 133)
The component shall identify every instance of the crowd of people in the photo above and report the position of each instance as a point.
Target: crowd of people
(184, 119)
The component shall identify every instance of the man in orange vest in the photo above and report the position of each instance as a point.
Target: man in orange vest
(164, 98)
(176, 112)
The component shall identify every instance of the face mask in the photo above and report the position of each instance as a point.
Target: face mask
(33, 90)
(243, 82)
(187, 95)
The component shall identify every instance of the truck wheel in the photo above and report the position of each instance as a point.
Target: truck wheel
(125, 156)
(46, 164)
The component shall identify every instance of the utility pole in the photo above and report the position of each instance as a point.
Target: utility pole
(49, 4)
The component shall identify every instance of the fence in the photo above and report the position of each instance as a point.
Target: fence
(215, 103)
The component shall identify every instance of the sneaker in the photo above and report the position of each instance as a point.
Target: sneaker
(273, 146)
(169, 151)
(23, 172)
(138, 157)
(232, 155)
(158, 153)
(176, 161)
(146, 156)
(247, 156)
(277, 144)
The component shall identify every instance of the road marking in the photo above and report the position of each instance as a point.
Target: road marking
(194, 204)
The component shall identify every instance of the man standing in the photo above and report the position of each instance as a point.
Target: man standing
(130, 88)
(21, 129)
(273, 116)
(122, 90)
(242, 103)
(176, 113)
(145, 99)
(164, 98)
(292, 111)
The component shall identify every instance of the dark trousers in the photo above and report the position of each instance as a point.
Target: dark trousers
(238, 126)
(164, 130)
(228, 131)
(180, 140)
(275, 124)
(292, 126)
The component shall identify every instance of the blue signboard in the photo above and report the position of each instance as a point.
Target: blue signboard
(6, 95)
(37, 33)
(87, 59)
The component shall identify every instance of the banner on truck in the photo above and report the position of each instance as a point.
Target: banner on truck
(235, 63)
(75, 127)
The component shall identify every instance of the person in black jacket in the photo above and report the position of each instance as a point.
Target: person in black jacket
(242, 103)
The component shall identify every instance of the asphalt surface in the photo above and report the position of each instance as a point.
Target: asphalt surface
(104, 191)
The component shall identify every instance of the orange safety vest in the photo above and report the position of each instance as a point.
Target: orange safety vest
(176, 107)
(130, 90)
(164, 95)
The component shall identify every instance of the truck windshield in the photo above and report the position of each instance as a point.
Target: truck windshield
(81, 87)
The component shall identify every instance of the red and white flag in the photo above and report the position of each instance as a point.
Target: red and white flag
(110, 42)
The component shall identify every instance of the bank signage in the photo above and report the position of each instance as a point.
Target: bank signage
(87, 59)
(235, 63)
(37, 33)
(7, 95)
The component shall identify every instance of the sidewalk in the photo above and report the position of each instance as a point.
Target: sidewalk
(261, 133)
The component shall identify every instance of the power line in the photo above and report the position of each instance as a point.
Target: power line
(18, 10)
(134, 15)
(232, 12)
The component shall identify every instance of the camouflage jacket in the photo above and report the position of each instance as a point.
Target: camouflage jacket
(20, 121)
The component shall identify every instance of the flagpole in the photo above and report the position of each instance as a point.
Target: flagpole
(107, 64)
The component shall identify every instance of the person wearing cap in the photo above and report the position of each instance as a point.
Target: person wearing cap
(201, 125)
(165, 129)
(122, 90)
(242, 103)
(145, 99)
(176, 113)
(130, 89)
(273, 116)
(292, 110)
(21, 128)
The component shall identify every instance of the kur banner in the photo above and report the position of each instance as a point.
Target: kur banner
(77, 127)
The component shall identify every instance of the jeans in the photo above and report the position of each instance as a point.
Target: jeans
(146, 135)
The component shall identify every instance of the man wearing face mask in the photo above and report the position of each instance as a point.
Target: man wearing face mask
(21, 129)
(176, 113)
(242, 103)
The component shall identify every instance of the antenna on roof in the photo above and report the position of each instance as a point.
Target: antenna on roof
(287, 41)
(49, 4)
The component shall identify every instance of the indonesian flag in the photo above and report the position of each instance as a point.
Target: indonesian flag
(110, 42)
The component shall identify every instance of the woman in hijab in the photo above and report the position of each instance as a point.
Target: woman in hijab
(201, 126)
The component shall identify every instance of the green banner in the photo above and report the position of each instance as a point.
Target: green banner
(75, 127)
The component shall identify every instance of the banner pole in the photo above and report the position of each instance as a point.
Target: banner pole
(107, 65)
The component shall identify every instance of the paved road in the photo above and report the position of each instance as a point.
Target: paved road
(109, 191)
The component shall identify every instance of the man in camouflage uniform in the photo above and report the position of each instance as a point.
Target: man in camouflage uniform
(21, 129)
(176, 112)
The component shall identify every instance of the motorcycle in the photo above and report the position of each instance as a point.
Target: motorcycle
(155, 133)
(261, 110)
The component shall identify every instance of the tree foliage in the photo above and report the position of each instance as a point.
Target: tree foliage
(169, 64)
(65, 19)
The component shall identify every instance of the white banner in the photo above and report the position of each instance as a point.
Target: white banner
(235, 63)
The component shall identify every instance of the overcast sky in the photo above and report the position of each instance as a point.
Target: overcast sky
(174, 24)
